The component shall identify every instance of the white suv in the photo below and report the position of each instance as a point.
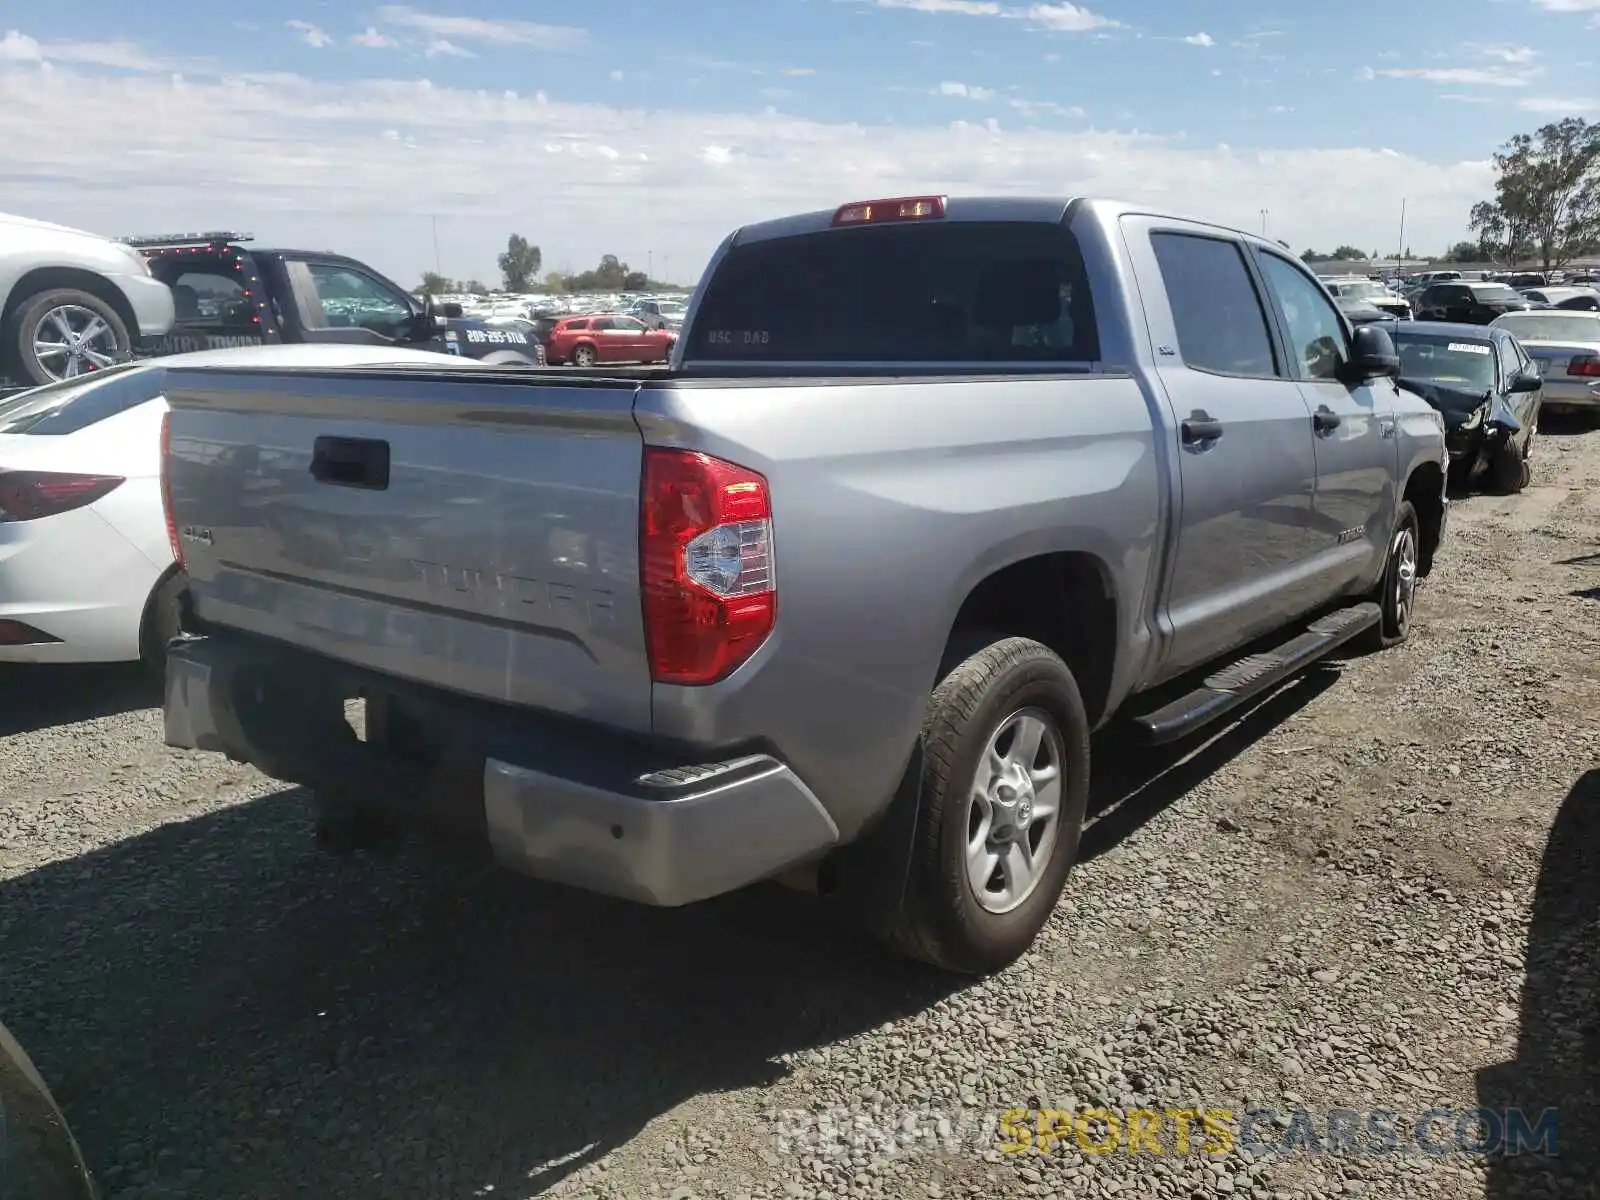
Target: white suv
(72, 302)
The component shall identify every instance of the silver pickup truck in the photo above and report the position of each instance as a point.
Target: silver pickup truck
(933, 489)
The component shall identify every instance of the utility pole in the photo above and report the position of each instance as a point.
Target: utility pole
(1263, 222)
(649, 264)
(1400, 254)
(437, 268)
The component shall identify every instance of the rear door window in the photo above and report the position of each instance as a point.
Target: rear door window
(1221, 325)
(212, 298)
(931, 292)
(71, 405)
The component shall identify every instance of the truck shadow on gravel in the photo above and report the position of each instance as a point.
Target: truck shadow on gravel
(224, 1011)
(34, 697)
(1558, 1046)
(1133, 783)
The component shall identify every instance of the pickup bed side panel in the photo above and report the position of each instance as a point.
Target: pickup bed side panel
(892, 499)
(499, 559)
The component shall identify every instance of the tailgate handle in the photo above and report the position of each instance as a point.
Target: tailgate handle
(351, 462)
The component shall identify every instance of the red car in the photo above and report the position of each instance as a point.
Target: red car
(585, 341)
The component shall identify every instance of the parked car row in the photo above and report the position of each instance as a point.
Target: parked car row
(74, 303)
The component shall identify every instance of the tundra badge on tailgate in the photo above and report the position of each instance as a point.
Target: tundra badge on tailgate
(595, 605)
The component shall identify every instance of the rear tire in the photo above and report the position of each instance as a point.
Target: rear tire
(583, 356)
(986, 799)
(163, 621)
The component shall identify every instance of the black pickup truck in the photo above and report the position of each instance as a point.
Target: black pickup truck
(229, 292)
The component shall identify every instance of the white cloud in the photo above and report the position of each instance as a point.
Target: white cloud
(1517, 56)
(480, 29)
(440, 48)
(965, 90)
(1063, 18)
(616, 77)
(361, 165)
(1201, 39)
(1476, 76)
(1565, 106)
(1046, 108)
(19, 47)
(1568, 6)
(310, 34)
(799, 71)
(375, 39)
(1066, 18)
(970, 8)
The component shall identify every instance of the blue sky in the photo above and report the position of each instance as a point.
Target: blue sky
(649, 129)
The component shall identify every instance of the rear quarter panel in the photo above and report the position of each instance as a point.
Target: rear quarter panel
(892, 499)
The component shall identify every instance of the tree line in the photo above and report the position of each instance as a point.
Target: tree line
(1546, 203)
(519, 272)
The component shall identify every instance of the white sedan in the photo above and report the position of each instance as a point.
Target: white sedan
(86, 568)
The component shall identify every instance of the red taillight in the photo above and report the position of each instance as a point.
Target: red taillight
(1588, 366)
(706, 566)
(173, 540)
(29, 495)
(906, 208)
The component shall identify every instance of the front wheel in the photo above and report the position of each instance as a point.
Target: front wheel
(1005, 784)
(1508, 469)
(1396, 593)
(583, 356)
(63, 333)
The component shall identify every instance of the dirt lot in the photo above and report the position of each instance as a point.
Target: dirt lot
(1378, 891)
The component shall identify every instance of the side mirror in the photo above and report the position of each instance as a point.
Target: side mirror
(1528, 381)
(1372, 356)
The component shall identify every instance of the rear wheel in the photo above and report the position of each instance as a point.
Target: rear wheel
(1005, 783)
(583, 356)
(163, 621)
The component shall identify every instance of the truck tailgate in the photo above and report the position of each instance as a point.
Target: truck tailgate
(480, 535)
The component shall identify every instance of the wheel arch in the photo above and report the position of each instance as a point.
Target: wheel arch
(44, 279)
(1425, 490)
(146, 630)
(508, 358)
(1063, 599)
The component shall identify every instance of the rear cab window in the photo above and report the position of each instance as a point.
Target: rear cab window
(933, 292)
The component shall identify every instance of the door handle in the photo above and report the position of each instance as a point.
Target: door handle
(351, 462)
(1201, 427)
(1326, 420)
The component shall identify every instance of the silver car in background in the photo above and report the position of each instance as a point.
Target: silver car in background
(1566, 345)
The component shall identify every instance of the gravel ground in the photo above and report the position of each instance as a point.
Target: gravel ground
(1377, 891)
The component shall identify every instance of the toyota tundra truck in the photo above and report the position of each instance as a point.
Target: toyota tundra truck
(933, 489)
